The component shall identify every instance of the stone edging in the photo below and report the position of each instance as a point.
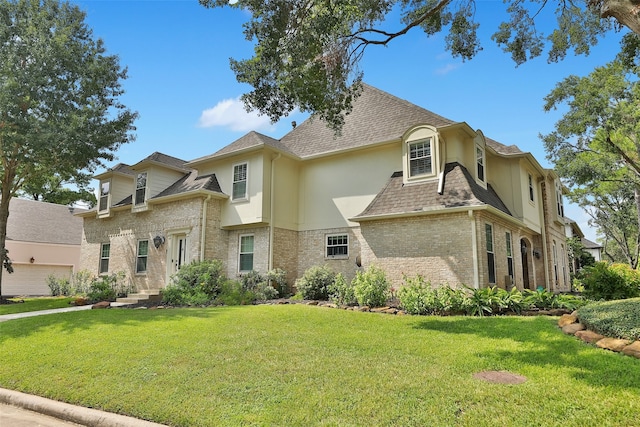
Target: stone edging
(570, 325)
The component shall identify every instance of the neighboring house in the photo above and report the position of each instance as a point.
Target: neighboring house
(43, 239)
(572, 230)
(400, 187)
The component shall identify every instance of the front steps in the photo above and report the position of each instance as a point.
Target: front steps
(144, 296)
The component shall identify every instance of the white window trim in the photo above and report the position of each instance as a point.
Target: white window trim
(144, 272)
(240, 253)
(103, 258)
(482, 181)
(492, 252)
(432, 154)
(326, 246)
(146, 190)
(107, 196)
(246, 180)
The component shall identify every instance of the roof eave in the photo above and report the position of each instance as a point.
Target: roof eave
(187, 195)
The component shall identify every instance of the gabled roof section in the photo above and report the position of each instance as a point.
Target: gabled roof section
(506, 150)
(588, 244)
(251, 140)
(163, 160)
(190, 183)
(376, 117)
(120, 168)
(460, 190)
(41, 222)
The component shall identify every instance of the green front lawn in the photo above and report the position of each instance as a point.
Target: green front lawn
(34, 304)
(300, 365)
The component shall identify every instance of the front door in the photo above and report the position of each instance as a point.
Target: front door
(177, 254)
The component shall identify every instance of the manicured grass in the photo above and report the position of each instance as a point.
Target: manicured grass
(619, 318)
(34, 304)
(300, 365)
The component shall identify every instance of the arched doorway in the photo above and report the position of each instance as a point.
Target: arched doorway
(524, 250)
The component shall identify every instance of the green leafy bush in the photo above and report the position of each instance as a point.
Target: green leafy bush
(602, 281)
(78, 284)
(108, 288)
(416, 296)
(315, 283)
(371, 288)
(259, 285)
(619, 319)
(277, 278)
(233, 293)
(342, 292)
(197, 283)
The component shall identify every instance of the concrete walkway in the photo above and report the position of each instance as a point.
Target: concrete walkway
(6, 317)
(24, 410)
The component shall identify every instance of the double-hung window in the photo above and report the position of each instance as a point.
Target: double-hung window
(420, 158)
(239, 182)
(531, 189)
(337, 246)
(105, 250)
(491, 258)
(142, 256)
(509, 255)
(246, 253)
(105, 187)
(559, 205)
(480, 163)
(141, 188)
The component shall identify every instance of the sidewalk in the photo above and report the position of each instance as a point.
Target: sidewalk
(13, 316)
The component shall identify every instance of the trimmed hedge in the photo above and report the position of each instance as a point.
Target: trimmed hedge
(620, 319)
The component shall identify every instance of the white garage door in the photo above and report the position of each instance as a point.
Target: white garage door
(29, 279)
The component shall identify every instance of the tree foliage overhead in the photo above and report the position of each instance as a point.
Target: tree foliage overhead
(596, 146)
(307, 52)
(59, 108)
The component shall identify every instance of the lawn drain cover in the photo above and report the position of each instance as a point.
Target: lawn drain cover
(500, 377)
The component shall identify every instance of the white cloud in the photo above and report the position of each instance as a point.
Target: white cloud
(447, 69)
(230, 113)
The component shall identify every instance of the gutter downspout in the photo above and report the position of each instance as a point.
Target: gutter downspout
(203, 226)
(443, 162)
(474, 248)
(272, 209)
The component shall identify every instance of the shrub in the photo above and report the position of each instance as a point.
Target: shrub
(233, 293)
(610, 282)
(487, 300)
(619, 319)
(277, 278)
(315, 283)
(259, 285)
(108, 288)
(371, 288)
(416, 296)
(197, 283)
(342, 292)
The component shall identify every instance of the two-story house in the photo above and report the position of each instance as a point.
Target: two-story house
(400, 187)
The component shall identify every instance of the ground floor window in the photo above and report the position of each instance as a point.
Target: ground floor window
(142, 257)
(491, 259)
(105, 249)
(337, 246)
(509, 255)
(246, 253)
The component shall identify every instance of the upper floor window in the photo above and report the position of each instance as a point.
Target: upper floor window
(420, 158)
(105, 187)
(337, 246)
(480, 163)
(239, 182)
(141, 188)
(105, 250)
(531, 188)
(559, 205)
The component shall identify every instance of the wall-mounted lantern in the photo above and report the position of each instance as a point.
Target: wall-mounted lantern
(32, 260)
(158, 241)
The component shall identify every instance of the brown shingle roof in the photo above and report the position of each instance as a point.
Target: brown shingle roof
(192, 182)
(165, 160)
(376, 117)
(503, 149)
(460, 190)
(250, 140)
(40, 222)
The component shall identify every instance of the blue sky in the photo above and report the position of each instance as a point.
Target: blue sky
(177, 54)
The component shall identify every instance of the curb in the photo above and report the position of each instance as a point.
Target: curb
(67, 412)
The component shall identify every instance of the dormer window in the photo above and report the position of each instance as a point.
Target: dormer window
(105, 187)
(420, 158)
(480, 163)
(141, 188)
